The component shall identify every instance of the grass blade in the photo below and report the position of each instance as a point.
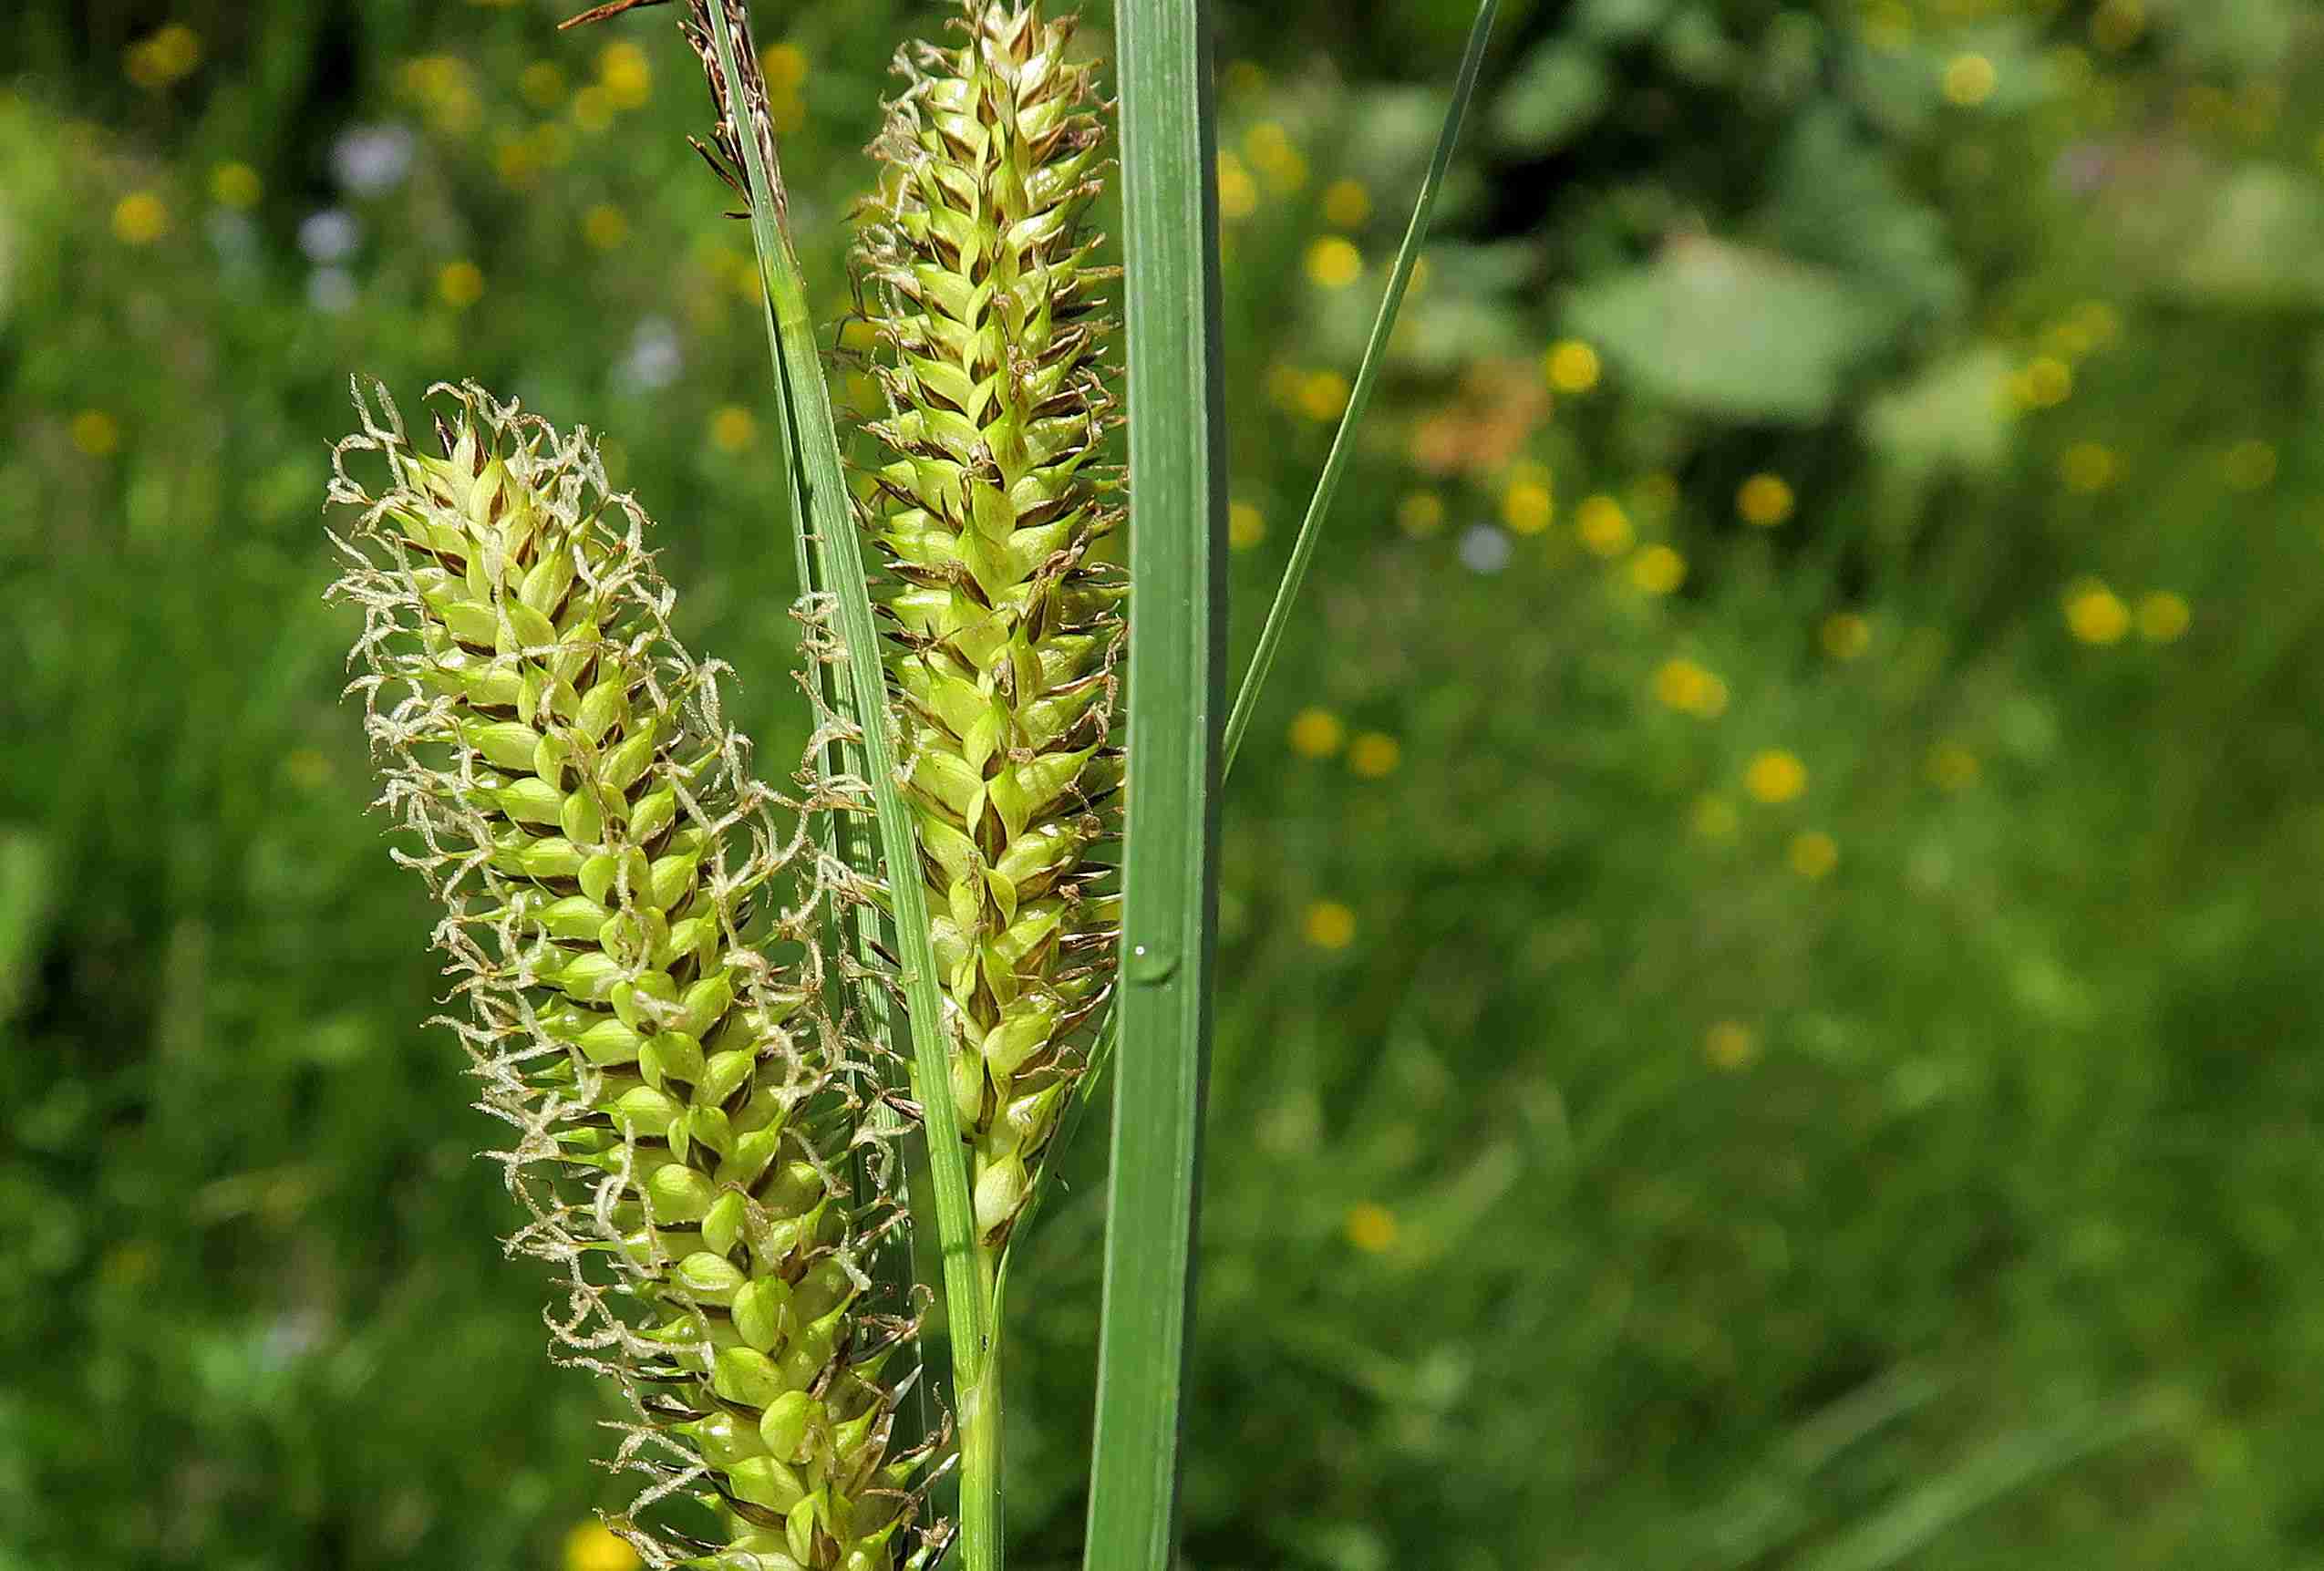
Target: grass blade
(826, 515)
(1303, 550)
(1108, 1033)
(1177, 624)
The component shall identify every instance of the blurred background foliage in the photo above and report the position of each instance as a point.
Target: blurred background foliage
(1769, 919)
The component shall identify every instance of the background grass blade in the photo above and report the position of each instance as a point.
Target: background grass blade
(1254, 676)
(1177, 623)
(827, 517)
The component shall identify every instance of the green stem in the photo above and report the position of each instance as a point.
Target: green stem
(979, 1404)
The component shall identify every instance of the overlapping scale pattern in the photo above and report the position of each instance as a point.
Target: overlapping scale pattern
(1007, 627)
(612, 877)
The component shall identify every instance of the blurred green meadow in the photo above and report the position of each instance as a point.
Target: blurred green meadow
(1771, 1001)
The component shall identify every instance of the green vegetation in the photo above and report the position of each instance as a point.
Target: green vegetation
(1767, 920)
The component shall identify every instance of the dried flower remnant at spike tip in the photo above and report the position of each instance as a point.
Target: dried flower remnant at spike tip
(1006, 630)
(610, 868)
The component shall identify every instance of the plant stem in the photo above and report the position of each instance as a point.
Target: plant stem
(979, 1402)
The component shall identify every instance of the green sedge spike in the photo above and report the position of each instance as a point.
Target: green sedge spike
(611, 870)
(1005, 629)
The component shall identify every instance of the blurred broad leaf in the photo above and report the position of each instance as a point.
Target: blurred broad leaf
(1558, 90)
(1838, 202)
(1731, 330)
(1949, 417)
(1619, 21)
(2250, 238)
(2239, 36)
(1696, 47)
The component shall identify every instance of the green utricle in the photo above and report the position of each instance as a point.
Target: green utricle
(1006, 629)
(612, 873)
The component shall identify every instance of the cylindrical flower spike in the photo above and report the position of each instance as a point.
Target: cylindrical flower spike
(610, 867)
(1007, 630)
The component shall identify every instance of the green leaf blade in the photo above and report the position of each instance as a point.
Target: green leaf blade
(1177, 626)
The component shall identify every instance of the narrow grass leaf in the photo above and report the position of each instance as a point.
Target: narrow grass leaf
(1326, 486)
(1303, 549)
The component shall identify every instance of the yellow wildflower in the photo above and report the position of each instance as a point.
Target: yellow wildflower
(2095, 614)
(1421, 514)
(1330, 926)
(732, 428)
(1813, 853)
(1571, 366)
(1527, 507)
(1730, 1045)
(171, 54)
(140, 219)
(1657, 570)
(1844, 634)
(517, 160)
(1269, 147)
(2048, 382)
(1346, 203)
(1372, 1227)
(1323, 395)
(235, 185)
(1604, 527)
(1375, 755)
(2162, 616)
(1317, 733)
(785, 65)
(1684, 685)
(1333, 262)
(1969, 81)
(96, 433)
(1775, 776)
(460, 284)
(1765, 500)
(625, 74)
(1246, 525)
(1238, 195)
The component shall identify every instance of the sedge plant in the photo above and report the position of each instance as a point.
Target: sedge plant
(713, 1029)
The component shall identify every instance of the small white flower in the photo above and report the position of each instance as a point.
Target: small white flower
(370, 160)
(654, 359)
(329, 236)
(1484, 549)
